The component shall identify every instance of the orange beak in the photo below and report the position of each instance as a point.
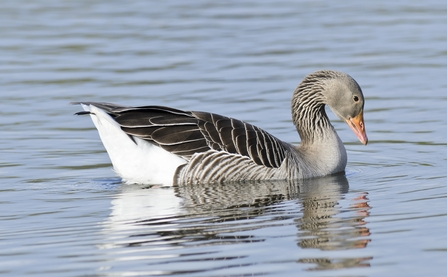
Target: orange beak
(358, 127)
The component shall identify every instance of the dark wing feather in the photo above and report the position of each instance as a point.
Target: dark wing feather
(238, 137)
(173, 130)
(185, 133)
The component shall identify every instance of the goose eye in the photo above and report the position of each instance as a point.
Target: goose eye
(356, 98)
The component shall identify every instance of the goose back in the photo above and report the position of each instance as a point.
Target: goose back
(217, 148)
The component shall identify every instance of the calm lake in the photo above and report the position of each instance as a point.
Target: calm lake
(64, 212)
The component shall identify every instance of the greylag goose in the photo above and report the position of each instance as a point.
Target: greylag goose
(162, 145)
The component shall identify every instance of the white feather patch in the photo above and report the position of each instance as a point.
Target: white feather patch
(136, 161)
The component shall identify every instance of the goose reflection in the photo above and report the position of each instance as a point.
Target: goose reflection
(324, 226)
(209, 215)
(321, 226)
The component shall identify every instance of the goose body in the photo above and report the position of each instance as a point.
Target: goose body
(162, 145)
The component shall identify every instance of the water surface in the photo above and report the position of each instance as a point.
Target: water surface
(63, 211)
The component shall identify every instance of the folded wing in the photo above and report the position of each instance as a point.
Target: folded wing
(186, 133)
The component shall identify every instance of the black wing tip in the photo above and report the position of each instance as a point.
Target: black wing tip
(83, 113)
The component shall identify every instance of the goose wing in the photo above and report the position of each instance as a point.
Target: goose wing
(186, 133)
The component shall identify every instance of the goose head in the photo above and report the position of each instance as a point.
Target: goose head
(335, 89)
(345, 98)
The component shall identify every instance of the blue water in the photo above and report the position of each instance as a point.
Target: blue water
(64, 212)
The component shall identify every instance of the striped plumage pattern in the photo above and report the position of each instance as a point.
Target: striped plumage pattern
(308, 113)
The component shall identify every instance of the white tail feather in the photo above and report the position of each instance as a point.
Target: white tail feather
(136, 161)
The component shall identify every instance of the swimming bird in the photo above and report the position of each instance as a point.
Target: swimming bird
(167, 146)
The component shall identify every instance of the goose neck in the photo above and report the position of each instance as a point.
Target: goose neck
(309, 116)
